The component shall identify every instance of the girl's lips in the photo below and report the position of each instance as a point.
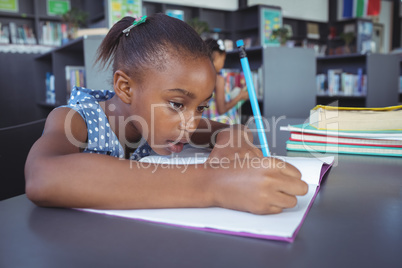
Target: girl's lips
(175, 147)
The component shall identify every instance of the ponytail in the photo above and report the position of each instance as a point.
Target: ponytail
(110, 43)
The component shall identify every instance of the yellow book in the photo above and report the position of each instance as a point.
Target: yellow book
(350, 118)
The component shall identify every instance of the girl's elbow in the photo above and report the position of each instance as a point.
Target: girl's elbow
(36, 186)
(35, 191)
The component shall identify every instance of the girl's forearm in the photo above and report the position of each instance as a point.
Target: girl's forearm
(99, 181)
(229, 105)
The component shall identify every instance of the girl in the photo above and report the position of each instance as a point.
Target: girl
(163, 79)
(222, 107)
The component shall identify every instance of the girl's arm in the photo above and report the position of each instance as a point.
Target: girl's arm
(221, 104)
(57, 174)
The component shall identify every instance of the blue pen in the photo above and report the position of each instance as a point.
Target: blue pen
(253, 98)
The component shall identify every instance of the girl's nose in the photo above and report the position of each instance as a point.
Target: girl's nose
(189, 122)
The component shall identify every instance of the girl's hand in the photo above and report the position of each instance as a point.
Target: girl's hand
(256, 185)
(234, 142)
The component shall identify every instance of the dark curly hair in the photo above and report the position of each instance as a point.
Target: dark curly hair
(215, 46)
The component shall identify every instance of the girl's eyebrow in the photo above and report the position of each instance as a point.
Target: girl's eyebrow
(183, 91)
(186, 93)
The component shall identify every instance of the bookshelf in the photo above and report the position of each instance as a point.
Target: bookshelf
(311, 34)
(361, 31)
(32, 16)
(80, 52)
(382, 78)
(287, 73)
(218, 20)
(250, 25)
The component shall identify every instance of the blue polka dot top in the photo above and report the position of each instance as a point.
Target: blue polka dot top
(101, 138)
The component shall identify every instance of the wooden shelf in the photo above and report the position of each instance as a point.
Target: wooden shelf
(79, 52)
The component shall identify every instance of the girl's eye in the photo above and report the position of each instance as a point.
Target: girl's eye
(200, 109)
(176, 105)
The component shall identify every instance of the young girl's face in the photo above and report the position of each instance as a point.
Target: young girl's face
(171, 103)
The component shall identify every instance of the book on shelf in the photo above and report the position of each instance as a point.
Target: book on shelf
(4, 34)
(283, 226)
(13, 33)
(400, 84)
(75, 76)
(350, 118)
(50, 89)
(336, 82)
(235, 79)
(313, 31)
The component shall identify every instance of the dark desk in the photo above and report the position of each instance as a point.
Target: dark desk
(355, 221)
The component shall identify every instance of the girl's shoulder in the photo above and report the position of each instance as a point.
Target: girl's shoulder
(82, 95)
(85, 101)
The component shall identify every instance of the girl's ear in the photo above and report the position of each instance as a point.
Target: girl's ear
(121, 83)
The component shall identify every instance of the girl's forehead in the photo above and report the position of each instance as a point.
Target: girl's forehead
(191, 73)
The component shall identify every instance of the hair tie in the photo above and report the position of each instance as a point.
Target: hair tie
(220, 44)
(135, 23)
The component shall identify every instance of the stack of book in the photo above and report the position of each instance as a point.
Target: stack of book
(364, 131)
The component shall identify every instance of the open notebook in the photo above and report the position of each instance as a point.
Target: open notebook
(283, 226)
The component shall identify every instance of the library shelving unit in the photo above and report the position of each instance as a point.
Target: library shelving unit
(288, 74)
(302, 35)
(33, 14)
(382, 76)
(288, 79)
(18, 64)
(217, 19)
(362, 33)
(80, 52)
